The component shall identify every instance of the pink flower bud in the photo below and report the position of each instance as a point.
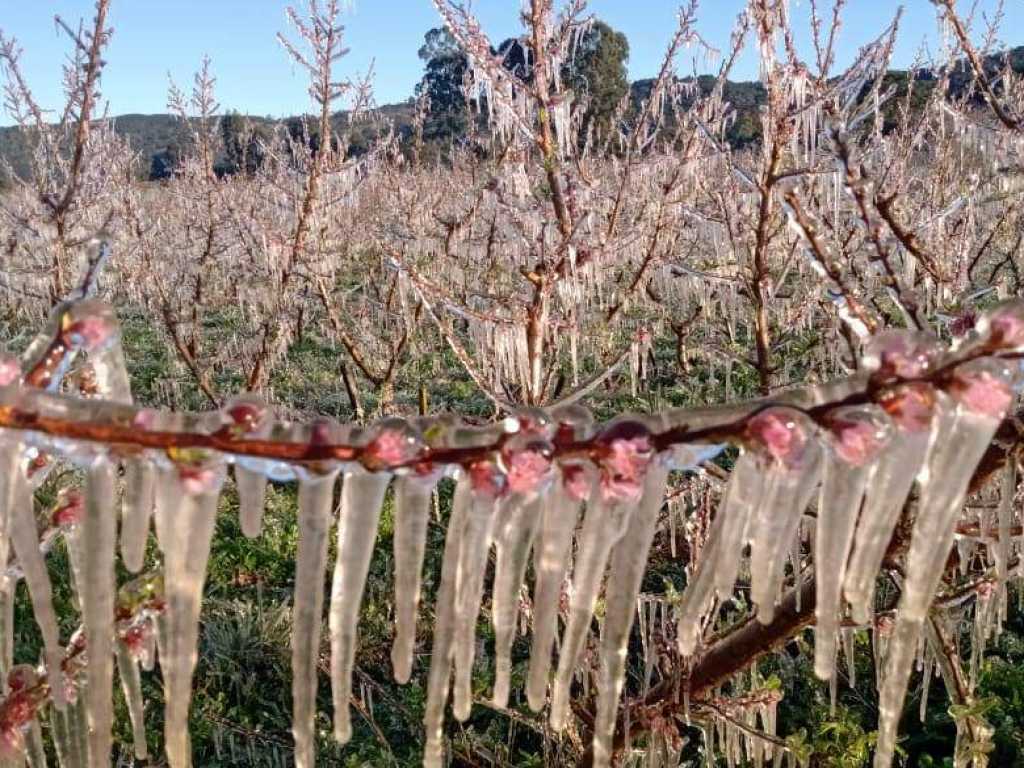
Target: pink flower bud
(197, 479)
(10, 370)
(901, 354)
(90, 332)
(245, 415)
(910, 406)
(394, 443)
(858, 433)
(486, 479)
(526, 460)
(983, 388)
(1003, 326)
(576, 482)
(625, 453)
(778, 432)
(69, 509)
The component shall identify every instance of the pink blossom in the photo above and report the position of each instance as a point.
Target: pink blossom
(144, 419)
(69, 510)
(857, 437)
(982, 392)
(245, 415)
(1006, 325)
(196, 480)
(902, 354)
(527, 465)
(776, 431)
(575, 481)
(88, 333)
(624, 461)
(486, 479)
(910, 407)
(10, 370)
(392, 447)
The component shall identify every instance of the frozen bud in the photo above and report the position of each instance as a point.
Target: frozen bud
(983, 387)
(69, 509)
(625, 451)
(146, 593)
(245, 415)
(1003, 326)
(533, 420)
(884, 624)
(145, 419)
(858, 433)
(394, 443)
(21, 678)
(901, 354)
(10, 370)
(573, 422)
(986, 590)
(526, 459)
(575, 481)
(486, 479)
(910, 406)
(782, 433)
(138, 639)
(88, 325)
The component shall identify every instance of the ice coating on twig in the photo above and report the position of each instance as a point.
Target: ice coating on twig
(316, 496)
(362, 496)
(856, 436)
(981, 393)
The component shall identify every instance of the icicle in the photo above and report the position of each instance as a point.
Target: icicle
(857, 434)
(558, 521)
(983, 394)
(626, 571)
(187, 501)
(136, 511)
(1005, 519)
(513, 541)
(131, 683)
(439, 677)
(604, 524)
(25, 538)
(362, 496)
(791, 474)
(316, 496)
(252, 492)
(35, 753)
(7, 594)
(720, 560)
(412, 512)
(473, 557)
(99, 534)
(849, 651)
(905, 355)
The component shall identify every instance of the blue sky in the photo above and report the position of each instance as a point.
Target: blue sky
(154, 38)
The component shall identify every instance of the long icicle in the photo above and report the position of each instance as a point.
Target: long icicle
(439, 677)
(136, 511)
(857, 434)
(362, 496)
(99, 543)
(413, 497)
(983, 394)
(625, 574)
(25, 538)
(316, 495)
(131, 684)
(559, 514)
(189, 502)
(603, 525)
(513, 542)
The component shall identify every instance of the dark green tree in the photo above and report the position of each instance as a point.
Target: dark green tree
(445, 67)
(597, 73)
(243, 144)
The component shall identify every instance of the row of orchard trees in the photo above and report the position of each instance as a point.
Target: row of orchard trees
(558, 258)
